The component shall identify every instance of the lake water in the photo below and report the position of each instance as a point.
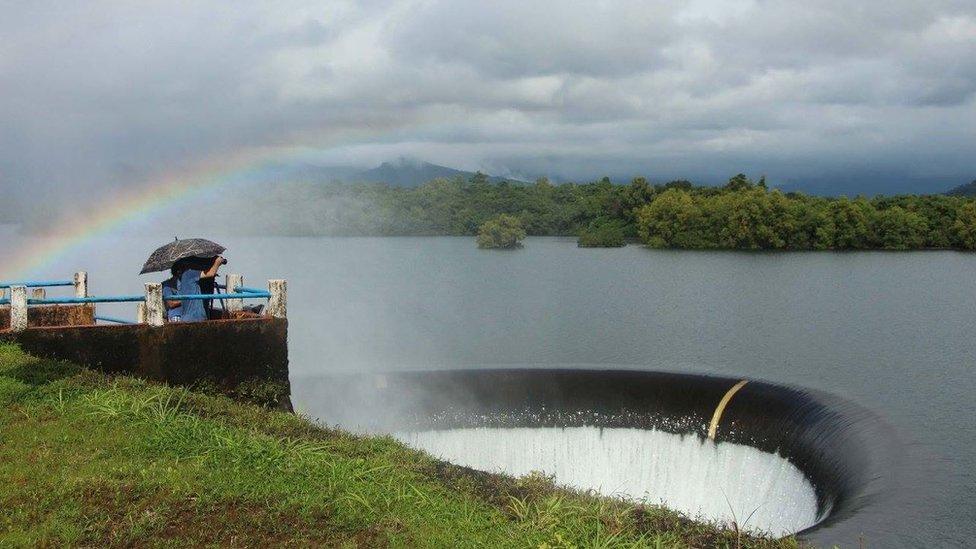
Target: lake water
(894, 332)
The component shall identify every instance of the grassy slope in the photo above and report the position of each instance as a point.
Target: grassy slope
(91, 460)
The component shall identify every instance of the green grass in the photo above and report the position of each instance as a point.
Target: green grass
(91, 460)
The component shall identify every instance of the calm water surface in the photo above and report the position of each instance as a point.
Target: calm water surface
(895, 332)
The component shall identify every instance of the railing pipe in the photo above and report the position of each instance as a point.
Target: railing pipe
(246, 290)
(150, 309)
(38, 283)
(113, 319)
(262, 294)
(90, 299)
(197, 297)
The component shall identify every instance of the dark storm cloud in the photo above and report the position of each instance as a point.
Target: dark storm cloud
(102, 94)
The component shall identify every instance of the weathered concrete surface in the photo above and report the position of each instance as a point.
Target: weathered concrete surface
(232, 355)
(52, 315)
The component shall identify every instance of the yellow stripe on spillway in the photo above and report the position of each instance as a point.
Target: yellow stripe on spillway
(717, 416)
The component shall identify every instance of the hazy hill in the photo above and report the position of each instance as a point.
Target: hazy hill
(403, 172)
(866, 184)
(969, 189)
(411, 173)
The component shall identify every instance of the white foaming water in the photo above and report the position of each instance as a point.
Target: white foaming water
(699, 478)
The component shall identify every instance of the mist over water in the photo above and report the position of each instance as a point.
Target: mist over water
(725, 482)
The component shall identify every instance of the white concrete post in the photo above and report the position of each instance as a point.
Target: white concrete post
(18, 308)
(154, 304)
(81, 284)
(141, 312)
(278, 303)
(38, 293)
(233, 281)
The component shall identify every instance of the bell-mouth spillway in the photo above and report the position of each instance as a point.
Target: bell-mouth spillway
(793, 460)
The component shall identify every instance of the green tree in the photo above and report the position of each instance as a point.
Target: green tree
(899, 229)
(751, 219)
(479, 180)
(602, 233)
(741, 214)
(852, 223)
(502, 231)
(814, 226)
(964, 229)
(672, 220)
(739, 183)
(682, 184)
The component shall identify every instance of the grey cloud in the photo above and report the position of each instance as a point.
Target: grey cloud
(511, 38)
(107, 94)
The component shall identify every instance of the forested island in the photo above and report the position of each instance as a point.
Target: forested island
(742, 214)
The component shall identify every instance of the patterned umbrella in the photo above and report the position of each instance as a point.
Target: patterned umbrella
(165, 256)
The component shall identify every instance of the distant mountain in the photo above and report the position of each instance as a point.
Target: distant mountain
(866, 184)
(403, 172)
(969, 189)
(411, 173)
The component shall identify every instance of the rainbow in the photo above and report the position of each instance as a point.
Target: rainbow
(139, 204)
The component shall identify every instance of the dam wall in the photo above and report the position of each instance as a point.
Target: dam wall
(241, 357)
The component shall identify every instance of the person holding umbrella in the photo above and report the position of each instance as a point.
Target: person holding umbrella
(193, 263)
(191, 280)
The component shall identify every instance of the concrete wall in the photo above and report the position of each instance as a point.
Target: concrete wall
(53, 315)
(240, 356)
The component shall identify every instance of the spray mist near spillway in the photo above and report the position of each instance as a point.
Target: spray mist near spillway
(774, 459)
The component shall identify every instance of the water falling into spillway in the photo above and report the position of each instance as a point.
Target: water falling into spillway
(726, 482)
(783, 459)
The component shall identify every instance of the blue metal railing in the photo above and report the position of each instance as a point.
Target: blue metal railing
(90, 299)
(240, 292)
(236, 295)
(113, 319)
(38, 283)
(245, 289)
(257, 294)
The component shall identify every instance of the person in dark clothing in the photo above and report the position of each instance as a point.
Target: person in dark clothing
(192, 281)
(174, 310)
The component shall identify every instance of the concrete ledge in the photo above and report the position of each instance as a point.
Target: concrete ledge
(228, 354)
(53, 315)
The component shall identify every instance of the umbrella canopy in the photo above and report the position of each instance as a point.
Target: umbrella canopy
(165, 256)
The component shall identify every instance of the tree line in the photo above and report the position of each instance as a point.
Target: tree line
(742, 214)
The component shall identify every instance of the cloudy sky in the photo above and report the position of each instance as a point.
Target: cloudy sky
(96, 94)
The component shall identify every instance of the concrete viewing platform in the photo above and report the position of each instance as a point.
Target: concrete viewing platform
(235, 352)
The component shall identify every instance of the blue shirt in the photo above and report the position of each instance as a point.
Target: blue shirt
(193, 311)
(170, 288)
